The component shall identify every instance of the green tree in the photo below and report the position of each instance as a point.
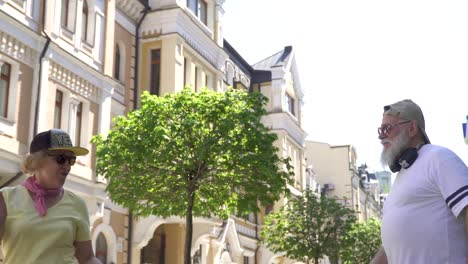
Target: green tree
(307, 227)
(193, 155)
(362, 242)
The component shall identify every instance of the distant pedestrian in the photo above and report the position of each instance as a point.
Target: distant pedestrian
(425, 216)
(40, 222)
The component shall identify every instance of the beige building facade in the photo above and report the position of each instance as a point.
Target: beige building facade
(76, 64)
(338, 176)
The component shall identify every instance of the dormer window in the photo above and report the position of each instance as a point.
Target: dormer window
(200, 9)
(290, 104)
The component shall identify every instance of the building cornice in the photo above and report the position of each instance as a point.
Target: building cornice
(131, 8)
(22, 44)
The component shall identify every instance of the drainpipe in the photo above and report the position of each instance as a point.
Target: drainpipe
(135, 106)
(256, 236)
(137, 54)
(43, 52)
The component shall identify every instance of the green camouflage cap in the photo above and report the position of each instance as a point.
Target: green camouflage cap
(408, 110)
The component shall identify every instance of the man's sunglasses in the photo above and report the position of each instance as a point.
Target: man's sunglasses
(61, 158)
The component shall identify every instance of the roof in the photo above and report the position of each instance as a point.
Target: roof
(256, 75)
(274, 60)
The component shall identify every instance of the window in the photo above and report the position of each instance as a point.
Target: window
(192, 5)
(246, 260)
(117, 63)
(79, 110)
(196, 79)
(290, 104)
(20, 3)
(68, 14)
(199, 8)
(65, 7)
(185, 71)
(268, 209)
(205, 80)
(58, 109)
(4, 88)
(84, 21)
(71, 113)
(9, 85)
(155, 71)
(101, 248)
(202, 7)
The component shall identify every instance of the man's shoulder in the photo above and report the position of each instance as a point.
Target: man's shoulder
(433, 151)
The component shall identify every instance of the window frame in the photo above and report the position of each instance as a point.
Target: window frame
(155, 81)
(78, 123)
(8, 124)
(117, 58)
(70, 103)
(290, 104)
(203, 11)
(68, 16)
(101, 237)
(7, 79)
(84, 21)
(200, 9)
(58, 105)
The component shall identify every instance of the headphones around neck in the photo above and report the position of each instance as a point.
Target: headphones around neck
(406, 159)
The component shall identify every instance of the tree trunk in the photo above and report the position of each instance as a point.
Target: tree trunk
(189, 227)
(316, 260)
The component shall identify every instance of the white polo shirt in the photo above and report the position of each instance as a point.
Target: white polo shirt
(421, 221)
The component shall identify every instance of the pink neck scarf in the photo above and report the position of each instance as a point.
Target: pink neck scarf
(40, 194)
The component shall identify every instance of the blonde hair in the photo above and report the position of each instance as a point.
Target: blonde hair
(33, 162)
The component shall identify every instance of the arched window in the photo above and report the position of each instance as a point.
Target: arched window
(84, 21)
(101, 248)
(117, 63)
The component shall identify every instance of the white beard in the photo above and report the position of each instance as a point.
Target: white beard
(388, 156)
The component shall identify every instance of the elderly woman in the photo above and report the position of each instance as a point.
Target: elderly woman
(40, 222)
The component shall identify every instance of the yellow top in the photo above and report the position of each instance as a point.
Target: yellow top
(31, 239)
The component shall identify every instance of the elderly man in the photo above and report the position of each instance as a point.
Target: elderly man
(425, 216)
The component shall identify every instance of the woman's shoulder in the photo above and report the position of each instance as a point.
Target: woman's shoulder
(73, 196)
(12, 189)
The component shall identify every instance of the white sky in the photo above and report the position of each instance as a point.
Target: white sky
(355, 56)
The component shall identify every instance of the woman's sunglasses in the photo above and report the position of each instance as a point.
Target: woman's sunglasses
(61, 158)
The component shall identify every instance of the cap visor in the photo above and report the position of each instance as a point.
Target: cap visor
(78, 151)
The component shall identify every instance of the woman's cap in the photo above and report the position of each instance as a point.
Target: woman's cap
(55, 139)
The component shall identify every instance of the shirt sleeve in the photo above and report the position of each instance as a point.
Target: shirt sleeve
(83, 229)
(451, 176)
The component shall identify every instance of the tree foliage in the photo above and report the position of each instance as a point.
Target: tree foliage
(193, 154)
(362, 242)
(308, 227)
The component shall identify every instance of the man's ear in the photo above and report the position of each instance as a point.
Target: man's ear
(414, 129)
